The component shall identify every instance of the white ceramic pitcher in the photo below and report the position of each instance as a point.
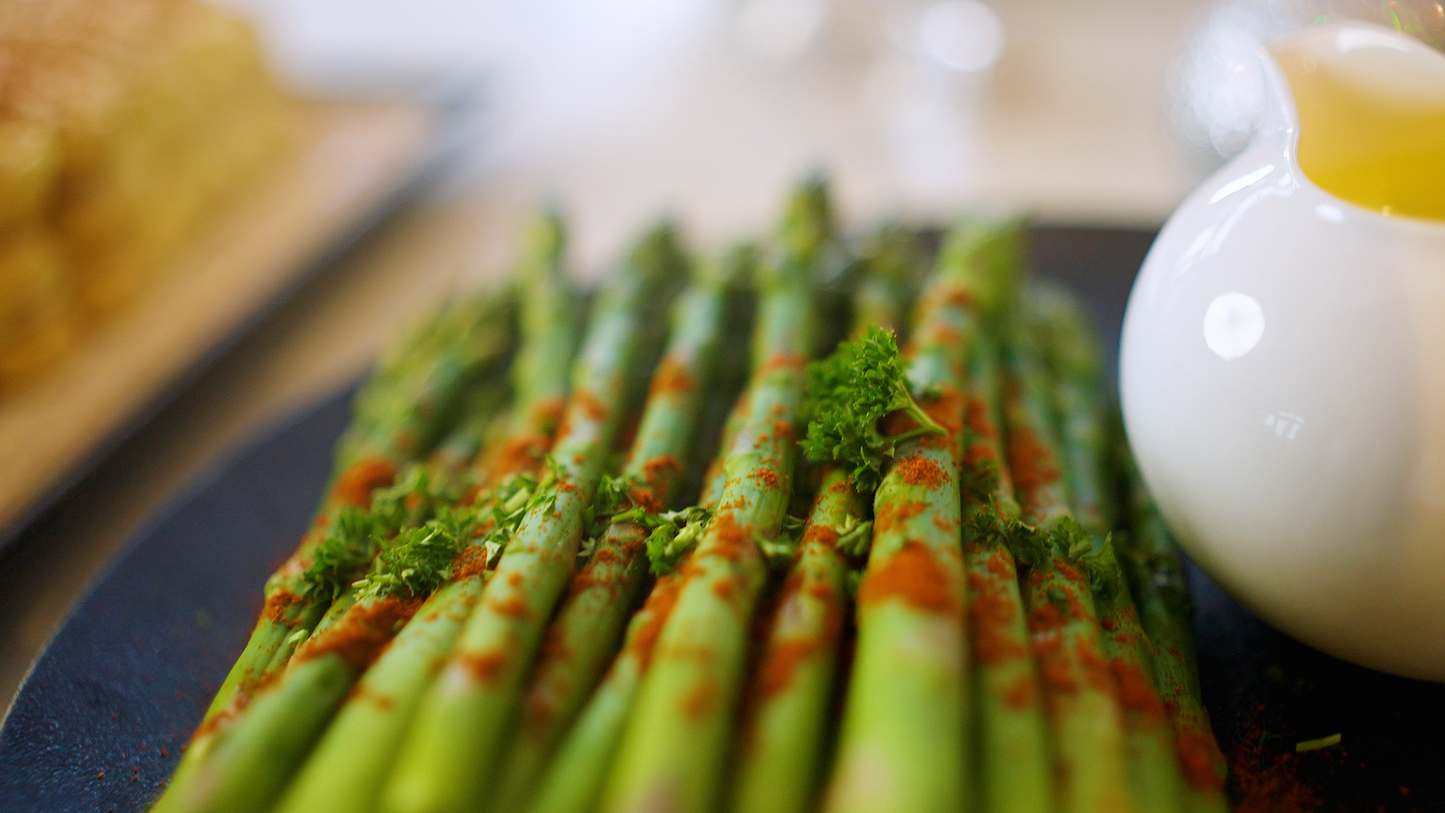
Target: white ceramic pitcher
(1282, 372)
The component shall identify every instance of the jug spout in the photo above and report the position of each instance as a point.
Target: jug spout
(1277, 116)
(1367, 106)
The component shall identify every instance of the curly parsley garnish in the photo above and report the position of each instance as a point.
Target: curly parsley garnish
(847, 394)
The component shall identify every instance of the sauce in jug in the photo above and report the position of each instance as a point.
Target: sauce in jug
(1371, 108)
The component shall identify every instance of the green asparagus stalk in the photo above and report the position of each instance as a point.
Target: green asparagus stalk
(1154, 766)
(673, 749)
(488, 448)
(399, 412)
(1072, 350)
(902, 743)
(484, 414)
(469, 334)
(892, 264)
(399, 417)
(1150, 560)
(450, 751)
(721, 405)
(1014, 765)
(251, 763)
(550, 327)
(782, 738)
(348, 766)
(415, 388)
(345, 770)
(1079, 691)
(293, 609)
(417, 540)
(573, 782)
(716, 474)
(584, 636)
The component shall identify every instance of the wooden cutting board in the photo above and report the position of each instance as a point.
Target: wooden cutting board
(352, 162)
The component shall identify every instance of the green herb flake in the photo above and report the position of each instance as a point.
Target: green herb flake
(419, 559)
(855, 540)
(1315, 745)
(343, 554)
(509, 503)
(673, 535)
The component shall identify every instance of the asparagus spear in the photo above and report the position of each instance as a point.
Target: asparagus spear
(550, 328)
(1150, 560)
(1015, 766)
(413, 391)
(716, 474)
(1010, 733)
(467, 335)
(255, 755)
(348, 765)
(399, 411)
(1074, 356)
(573, 782)
(346, 770)
(483, 416)
(902, 743)
(783, 734)
(583, 637)
(408, 384)
(398, 418)
(1079, 691)
(251, 763)
(672, 751)
(782, 737)
(892, 264)
(449, 752)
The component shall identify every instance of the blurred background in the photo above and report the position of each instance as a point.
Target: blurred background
(1101, 113)
(709, 107)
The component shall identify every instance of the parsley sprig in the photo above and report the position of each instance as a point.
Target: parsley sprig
(357, 535)
(671, 535)
(421, 558)
(847, 394)
(407, 543)
(346, 550)
(510, 502)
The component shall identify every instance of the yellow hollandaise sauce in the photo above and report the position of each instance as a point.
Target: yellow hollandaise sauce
(1371, 107)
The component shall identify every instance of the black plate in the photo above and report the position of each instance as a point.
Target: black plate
(101, 719)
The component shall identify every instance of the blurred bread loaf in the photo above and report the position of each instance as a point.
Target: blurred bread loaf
(122, 122)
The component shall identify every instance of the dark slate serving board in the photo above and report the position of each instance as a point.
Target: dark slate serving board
(102, 717)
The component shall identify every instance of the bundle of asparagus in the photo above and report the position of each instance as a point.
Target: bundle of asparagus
(975, 605)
